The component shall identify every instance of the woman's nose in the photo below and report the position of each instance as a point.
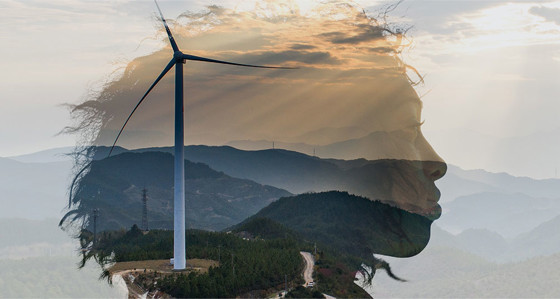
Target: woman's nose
(434, 170)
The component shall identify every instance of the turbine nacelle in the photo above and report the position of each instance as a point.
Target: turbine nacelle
(178, 56)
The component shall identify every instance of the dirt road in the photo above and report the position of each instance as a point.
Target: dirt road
(309, 263)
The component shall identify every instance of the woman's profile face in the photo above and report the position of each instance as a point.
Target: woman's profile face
(350, 102)
(416, 191)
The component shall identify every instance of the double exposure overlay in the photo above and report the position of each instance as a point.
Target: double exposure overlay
(332, 149)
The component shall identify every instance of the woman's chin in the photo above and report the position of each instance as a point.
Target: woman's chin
(412, 234)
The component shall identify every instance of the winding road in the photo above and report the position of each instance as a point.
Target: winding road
(308, 271)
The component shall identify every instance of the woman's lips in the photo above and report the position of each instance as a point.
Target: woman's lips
(433, 209)
(434, 212)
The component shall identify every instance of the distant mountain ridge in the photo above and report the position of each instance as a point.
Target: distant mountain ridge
(459, 271)
(471, 151)
(214, 200)
(280, 168)
(507, 214)
(33, 190)
(37, 190)
(542, 240)
(299, 173)
(457, 182)
(58, 154)
(353, 146)
(478, 180)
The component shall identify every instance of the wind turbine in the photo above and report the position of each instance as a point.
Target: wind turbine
(179, 58)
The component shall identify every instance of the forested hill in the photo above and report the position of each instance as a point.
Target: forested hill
(214, 200)
(350, 224)
(300, 173)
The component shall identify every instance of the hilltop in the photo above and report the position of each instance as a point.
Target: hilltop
(350, 224)
(235, 266)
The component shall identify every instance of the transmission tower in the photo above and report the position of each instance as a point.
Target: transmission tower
(95, 215)
(315, 248)
(145, 209)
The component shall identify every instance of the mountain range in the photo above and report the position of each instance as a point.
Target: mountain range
(476, 261)
(261, 166)
(214, 200)
(38, 190)
(354, 146)
(499, 202)
(533, 154)
(300, 173)
(543, 240)
(507, 214)
(58, 154)
(459, 182)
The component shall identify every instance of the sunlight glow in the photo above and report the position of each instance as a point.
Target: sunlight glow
(506, 25)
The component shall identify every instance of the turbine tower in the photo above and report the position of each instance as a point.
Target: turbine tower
(179, 58)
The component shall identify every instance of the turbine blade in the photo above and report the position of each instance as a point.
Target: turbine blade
(167, 68)
(171, 39)
(197, 58)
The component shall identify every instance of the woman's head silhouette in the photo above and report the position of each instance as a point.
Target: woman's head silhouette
(350, 103)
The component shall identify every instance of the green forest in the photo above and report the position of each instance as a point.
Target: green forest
(269, 249)
(244, 265)
(256, 264)
(351, 224)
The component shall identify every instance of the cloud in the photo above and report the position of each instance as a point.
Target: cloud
(363, 33)
(349, 76)
(282, 57)
(496, 26)
(381, 50)
(302, 47)
(434, 15)
(548, 13)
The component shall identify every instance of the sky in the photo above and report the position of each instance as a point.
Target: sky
(490, 97)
